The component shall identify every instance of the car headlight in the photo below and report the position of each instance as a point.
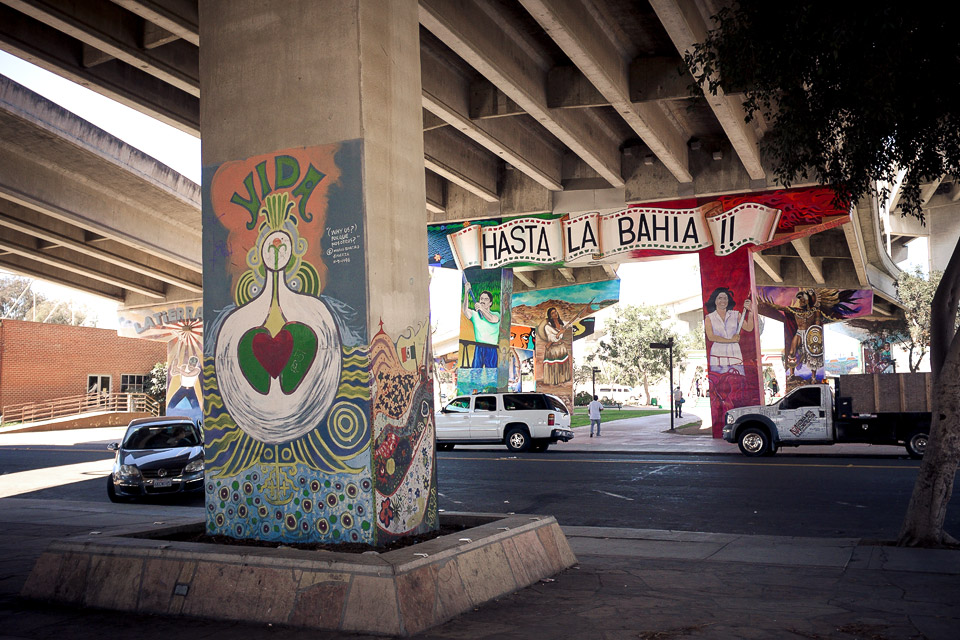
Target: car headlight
(730, 419)
(129, 471)
(193, 467)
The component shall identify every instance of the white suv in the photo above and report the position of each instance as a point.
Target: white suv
(522, 421)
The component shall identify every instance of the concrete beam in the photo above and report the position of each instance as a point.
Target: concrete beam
(851, 232)
(814, 265)
(154, 36)
(567, 274)
(568, 88)
(48, 156)
(450, 156)
(519, 195)
(60, 240)
(686, 27)
(770, 264)
(436, 189)
(472, 31)
(446, 94)
(116, 32)
(179, 17)
(584, 40)
(525, 278)
(486, 101)
(67, 265)
(40, 272)
(656, 78)
(462, 205)
(550, 278)
(49, 49)
(431, 121)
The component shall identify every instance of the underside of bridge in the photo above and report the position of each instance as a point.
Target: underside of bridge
(528, 107)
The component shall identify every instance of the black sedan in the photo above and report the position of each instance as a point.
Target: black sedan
(158, 456)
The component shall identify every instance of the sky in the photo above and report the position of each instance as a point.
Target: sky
(641, 282)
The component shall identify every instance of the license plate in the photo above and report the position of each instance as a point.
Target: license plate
(163, 483)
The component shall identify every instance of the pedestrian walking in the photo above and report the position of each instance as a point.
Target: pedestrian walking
(594, 408)
(678, 401)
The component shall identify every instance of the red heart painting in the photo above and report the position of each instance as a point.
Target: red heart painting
(273, 353)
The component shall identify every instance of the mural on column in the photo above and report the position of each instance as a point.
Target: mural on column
(730, 327)
(181, 327)
(804, 313)
(555, 313)
(313, 432)
(485, 358)
(878, 355)
(523, 347)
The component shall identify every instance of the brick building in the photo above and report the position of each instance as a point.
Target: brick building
(41, 362)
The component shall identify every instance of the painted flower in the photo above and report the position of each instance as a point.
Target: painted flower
(386, 513)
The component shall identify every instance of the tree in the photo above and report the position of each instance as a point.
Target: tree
(859, 96)
(916, 291)
(627, 351)
(19, 301)
(157, 383)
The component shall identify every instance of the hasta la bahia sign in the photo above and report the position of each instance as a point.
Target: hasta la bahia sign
(594, 236)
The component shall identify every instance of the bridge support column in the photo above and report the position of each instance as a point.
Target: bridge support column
(732, 332)
(317, 385)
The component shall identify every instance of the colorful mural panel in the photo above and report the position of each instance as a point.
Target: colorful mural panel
(181, 327)
(556, 313)
(484, 358)
(299, 405)
(805, 313)
(733, 344)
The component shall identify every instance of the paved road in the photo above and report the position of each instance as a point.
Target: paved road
(800, 495)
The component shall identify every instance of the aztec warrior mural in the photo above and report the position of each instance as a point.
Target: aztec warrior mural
(181, 327)
(722, 230)
(314, 430)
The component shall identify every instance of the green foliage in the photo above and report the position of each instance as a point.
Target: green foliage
(852, 93)
(18, 301)
(580, 418)
(916, 291)
(625, 350)
(582, 399)
(157, 383)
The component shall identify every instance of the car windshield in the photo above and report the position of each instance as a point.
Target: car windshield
(162, 436)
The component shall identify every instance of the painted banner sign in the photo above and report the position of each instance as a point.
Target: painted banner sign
(593, 236)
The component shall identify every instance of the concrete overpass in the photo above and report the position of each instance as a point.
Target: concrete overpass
(527, 106)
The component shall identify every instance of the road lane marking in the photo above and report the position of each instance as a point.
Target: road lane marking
(689, 462)
(615, 495)
(14, 484)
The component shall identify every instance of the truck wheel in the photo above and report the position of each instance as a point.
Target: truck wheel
(917, 444)
(754, 442)
(517, 439)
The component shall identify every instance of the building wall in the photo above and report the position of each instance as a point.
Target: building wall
(45, 361)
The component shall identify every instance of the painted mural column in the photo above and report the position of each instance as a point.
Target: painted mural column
(180, 325)
(484, 357)
(732, 332)
(318, 393)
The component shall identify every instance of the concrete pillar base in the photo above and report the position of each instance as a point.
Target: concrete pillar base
(398, 593)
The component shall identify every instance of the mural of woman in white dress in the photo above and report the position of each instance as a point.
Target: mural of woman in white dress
(557, 367)
(723, 325)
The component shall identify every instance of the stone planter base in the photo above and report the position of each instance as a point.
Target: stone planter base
(397, 593)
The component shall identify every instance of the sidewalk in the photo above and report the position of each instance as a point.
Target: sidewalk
(629, 583)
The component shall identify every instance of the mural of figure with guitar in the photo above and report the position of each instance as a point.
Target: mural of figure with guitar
(557, 367)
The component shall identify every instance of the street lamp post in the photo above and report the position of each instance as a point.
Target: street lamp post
(594, 371)
(668, 345)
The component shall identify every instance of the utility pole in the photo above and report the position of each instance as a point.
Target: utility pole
(593, 371)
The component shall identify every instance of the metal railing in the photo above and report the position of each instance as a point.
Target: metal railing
(77, 405)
